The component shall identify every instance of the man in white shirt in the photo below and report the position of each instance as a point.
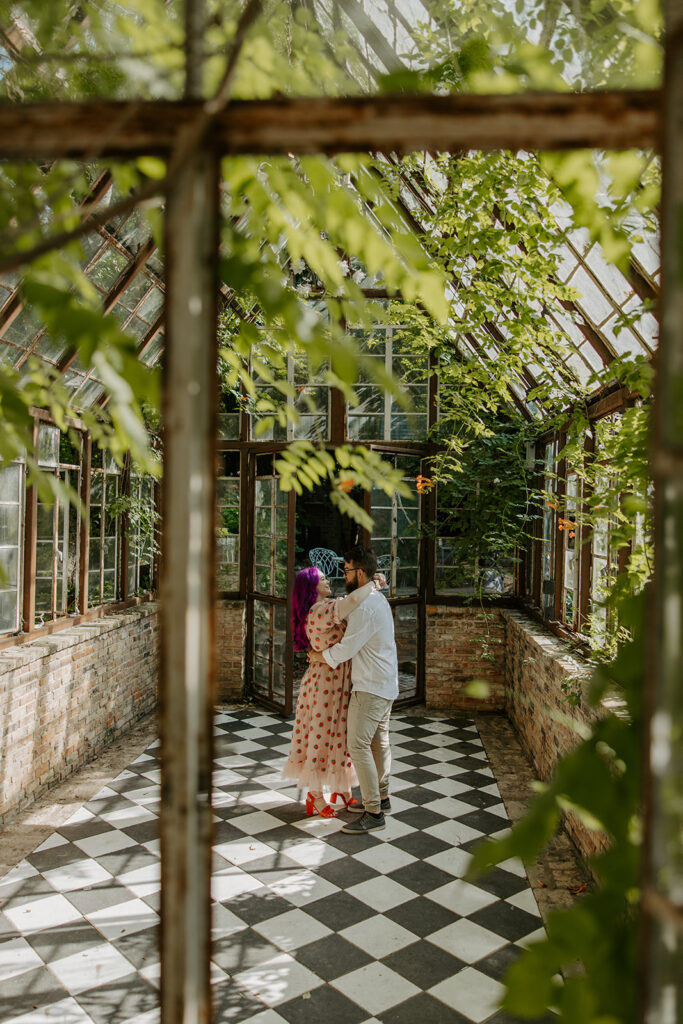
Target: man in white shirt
(369, 643)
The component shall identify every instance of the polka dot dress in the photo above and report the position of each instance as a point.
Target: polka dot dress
(318, 757)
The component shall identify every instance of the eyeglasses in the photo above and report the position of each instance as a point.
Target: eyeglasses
(347, 571)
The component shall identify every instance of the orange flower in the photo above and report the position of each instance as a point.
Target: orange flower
(424, 484)
(346, 484)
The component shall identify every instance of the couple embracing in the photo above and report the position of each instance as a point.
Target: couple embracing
(341, 727)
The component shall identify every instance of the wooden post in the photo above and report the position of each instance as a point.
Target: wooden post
(187, 587)
(663, 875)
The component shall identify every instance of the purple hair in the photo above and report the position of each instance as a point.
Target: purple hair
(304, 596)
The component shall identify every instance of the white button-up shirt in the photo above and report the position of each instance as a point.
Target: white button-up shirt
(369, 642)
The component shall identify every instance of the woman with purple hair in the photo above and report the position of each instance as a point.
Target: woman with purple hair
(318, 756)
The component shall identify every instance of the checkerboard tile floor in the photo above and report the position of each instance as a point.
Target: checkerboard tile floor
(309, 924)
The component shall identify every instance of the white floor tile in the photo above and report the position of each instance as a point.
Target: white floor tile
(95, 966)
(47, 912)
(467, 940)
(385, 858)
(224, 922)
(150, 1017)
(471, 993)
(379, 936)
(300, 887)
(450, 807)
(104, 842)
(291, 930)
(449, 787)
(225, 885)
(454, 861)
(241, 851)
(143, 881)
(278, 980)
(375, 987)
(125, 817)
(259, 821)
(266, 1017)
(381, 893)
(65, 1011)
(16, 956)
(54, 840)
(533, 937)
(462, 897)
(453, 832)
(123, 918)
(525, 900)
(313, 853)
(515, 865)
(77, 875)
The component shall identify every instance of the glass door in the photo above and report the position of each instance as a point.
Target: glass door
(270, 579)
(396, 539)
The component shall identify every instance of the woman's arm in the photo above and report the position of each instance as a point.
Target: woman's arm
(343, 606)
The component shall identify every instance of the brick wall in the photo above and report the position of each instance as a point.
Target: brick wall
(537, 664)
(65, 696)
(462, 645)
(230, 630)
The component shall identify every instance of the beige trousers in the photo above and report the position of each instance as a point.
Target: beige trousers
(368, 743)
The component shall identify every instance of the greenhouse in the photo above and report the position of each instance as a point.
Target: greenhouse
(279, 284)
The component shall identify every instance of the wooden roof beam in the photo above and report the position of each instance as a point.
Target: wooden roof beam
(543, 121)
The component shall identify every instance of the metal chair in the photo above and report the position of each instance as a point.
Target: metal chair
(327, 561)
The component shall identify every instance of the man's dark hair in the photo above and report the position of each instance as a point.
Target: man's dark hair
(362, 558)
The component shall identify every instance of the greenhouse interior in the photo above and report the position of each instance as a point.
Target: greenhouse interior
(282, 279)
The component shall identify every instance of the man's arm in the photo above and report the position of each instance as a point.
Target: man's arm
(361, 627)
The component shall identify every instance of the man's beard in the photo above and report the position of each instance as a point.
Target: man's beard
(352, 584)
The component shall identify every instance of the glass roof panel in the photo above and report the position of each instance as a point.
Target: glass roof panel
(108, 269)
(592, 300)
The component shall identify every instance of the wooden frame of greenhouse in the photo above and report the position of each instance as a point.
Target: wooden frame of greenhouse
(67, 564)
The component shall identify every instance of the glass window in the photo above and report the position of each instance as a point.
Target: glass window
(228, 523)
(377, 416)
(569, 528)
(57, 530)
(548, 541)
(396, 532)
(271, 514)
(141, 535)
(11, 493)
(104, 532)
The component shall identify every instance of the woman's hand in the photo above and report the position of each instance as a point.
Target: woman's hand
(314, 656)
(380, 581)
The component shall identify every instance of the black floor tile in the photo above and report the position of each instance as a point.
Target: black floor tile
(483, 821)
(420, 817)
(502, 883)
(119, 1000)
(331, 957)
(56, 857)
(145, 832)
(20, 994)
(421, 916)
(346, 871)
(245, 949)
(420, 794)
(421, 877)
(504, 919)
(255, 907)
(66, 939)
(424, 964)
(141, 948)
(422, 1009)
(324, 1004)
(421, 845)
(339, 911)
(497, 963)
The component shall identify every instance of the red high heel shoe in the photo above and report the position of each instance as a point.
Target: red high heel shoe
(311, 808)
(351, 802)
